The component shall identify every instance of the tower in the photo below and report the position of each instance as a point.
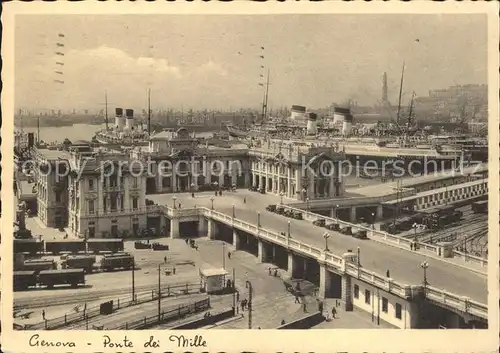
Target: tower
(384, 88)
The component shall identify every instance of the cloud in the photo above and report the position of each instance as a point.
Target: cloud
(212, 68)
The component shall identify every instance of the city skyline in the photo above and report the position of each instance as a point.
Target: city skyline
(215, 62)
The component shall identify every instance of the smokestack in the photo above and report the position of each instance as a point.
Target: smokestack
(347, 125)
(298, 112)
(119, 119)
(129, 124)
(312, 128)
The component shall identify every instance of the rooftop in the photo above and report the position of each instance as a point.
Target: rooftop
(210, 272)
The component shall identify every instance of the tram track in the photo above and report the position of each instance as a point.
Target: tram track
(74, 298)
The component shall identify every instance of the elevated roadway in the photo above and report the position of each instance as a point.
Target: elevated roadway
(404, 266)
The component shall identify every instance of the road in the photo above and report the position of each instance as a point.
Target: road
(404, 265)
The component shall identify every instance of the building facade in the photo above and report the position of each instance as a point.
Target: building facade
(103, 192)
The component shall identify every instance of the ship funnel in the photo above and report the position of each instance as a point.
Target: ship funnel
(129, 123)
(347, 125)
(298, 112)
(119, 119)
(312, 128)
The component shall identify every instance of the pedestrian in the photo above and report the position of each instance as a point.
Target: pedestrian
(215, 192)
(244, 200)
(237, 296)
(187, 240)
(165, 259)
(220, 192)
(304, 306)
(320, 306)
(297, 301)
(229, 254)
(283, 322)
(43, 315)
(269, 270)
(173, 270)
(243, 305)
(192, 195)
(180, 205)
(388, 274)
(259, 328)
(276, 272)
(334, 312)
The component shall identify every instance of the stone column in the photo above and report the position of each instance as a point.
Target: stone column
(333, 212)
(261, 184)
(202, 227)
(346, 292)
(352, 215)
(331, 185)
(289, 183)
(324, 282)
(236, 239)
(262, 251)
(379, 214)
(254, 178)
(291, 264)
(174, 182)
(159, 182)
(247, 178)
(210, 229)
(310, 187)
(174, 228)
(298, 182)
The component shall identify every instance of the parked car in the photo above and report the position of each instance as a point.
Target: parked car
(319, 222)
(333, 226)
(346, 231)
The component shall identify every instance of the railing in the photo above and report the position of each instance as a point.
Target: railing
(94, 310)
(342, 201)
(337, 262)
(171, 314)
(455, 301)
(470, 258)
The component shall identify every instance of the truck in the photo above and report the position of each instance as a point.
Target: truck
(105, 245)
(51, 278)
(24, 279)
(39, 265)
(85, 262)
(64, 246)
(28, 246)
(110, 263)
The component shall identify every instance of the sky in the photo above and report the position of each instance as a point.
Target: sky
(214, 61)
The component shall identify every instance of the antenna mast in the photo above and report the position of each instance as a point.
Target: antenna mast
(267, 93)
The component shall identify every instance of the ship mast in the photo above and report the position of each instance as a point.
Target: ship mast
(149, 111)
(106, 108)
(400, 93)
(38, 130)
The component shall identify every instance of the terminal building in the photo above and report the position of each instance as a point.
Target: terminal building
(97, 192)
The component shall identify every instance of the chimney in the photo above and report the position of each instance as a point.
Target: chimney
(297, 112)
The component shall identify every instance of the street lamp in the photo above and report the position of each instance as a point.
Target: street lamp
(288, 229)
(425, 265)
(212, 199)
(175, 199)
(281, 195)
(258, 219)
(233, 211)
(159, 292)
(359, 258)
(326, 236)
(373, 220)
(249, 286)
(307, 204)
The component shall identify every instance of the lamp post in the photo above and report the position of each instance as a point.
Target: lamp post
(281, 196)
(249, 286)
(336, 209)
(373, 220)
(258, 219)
(212, 199)
(425, 265)
(133, 280)
(359, 258)
(175, 199)
(233, 212)
(289, 229)
(307, 204)
(159, 292)
(326, 236)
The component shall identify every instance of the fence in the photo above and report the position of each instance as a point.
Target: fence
(171, 314)
(94, 310)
